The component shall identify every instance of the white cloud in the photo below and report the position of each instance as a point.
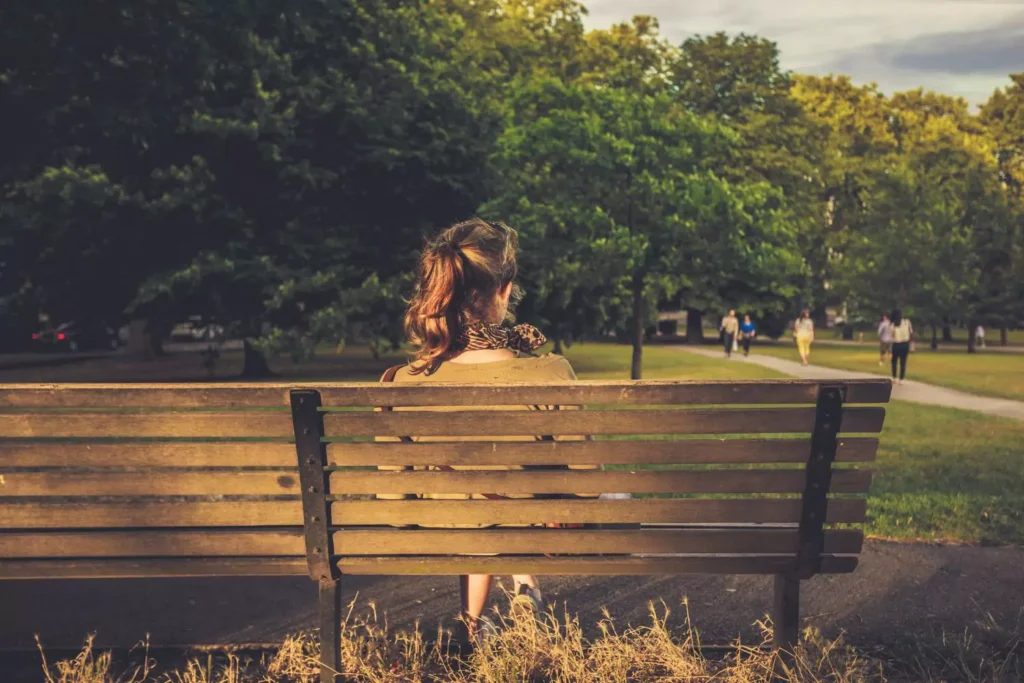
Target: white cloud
(960, 47)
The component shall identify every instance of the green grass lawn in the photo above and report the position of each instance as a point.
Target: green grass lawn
(948, 474)
(611, 361)
(988, 374)
(941, 473)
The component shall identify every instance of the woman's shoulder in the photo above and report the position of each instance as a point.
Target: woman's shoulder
(548, 367)
(545, 367)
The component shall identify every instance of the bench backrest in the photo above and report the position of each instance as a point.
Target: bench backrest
(172, 480)
(148, 480)
(726, 477)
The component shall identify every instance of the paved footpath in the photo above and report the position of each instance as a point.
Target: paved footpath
(914, 392)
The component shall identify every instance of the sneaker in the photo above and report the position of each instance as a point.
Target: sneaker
(529, 599)
(485, 631)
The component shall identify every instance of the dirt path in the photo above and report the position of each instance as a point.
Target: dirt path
(898, 591)
(912, 391)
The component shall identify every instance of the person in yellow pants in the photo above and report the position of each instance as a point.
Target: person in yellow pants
(803, 332)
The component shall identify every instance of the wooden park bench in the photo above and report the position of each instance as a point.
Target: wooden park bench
(107, 481)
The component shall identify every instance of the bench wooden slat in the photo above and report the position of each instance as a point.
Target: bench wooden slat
(163, 483)
(645, 452)
(95, 455)
(160, 543)
(577, 481)
(152, 568)
(636, 511)
(240, 395)
(151, 425)
(625, 566)
(593, 422)
(80, 515)
(357, 542)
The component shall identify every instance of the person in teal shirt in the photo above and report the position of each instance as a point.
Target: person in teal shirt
(747, 333)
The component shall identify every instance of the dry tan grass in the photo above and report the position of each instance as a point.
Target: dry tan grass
(552, 648)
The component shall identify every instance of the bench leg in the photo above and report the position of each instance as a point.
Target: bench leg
(330, 629)
(786, 614)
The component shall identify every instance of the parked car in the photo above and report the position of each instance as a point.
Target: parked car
(74, 336)
(195, 329)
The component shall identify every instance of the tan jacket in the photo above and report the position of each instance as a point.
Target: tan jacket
(546, 368)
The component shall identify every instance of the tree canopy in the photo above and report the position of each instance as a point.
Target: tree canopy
(277, 166)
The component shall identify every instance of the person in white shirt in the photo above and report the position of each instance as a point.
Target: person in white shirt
(902, 337)
(803, 333)
(884, 340)
(979, 334)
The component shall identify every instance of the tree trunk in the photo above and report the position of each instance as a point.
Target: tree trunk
(847, 332)
(558, 346)
(694, 326)
(254, 362)
(947, 333)
(935, 338)
(156, 332)
(138, 344)
(1004, 339)
(972, 339)
(636, 367)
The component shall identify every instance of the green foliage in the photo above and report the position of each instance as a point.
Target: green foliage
(622, 194)
(276, 165)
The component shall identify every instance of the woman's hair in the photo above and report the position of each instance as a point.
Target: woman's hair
(461, 273)
(896, 318)
(805, 313)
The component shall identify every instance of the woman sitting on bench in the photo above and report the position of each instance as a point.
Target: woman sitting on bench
(459, 323)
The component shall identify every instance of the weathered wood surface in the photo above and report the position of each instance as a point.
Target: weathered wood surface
(153, 543)
(81, 515)
(245, 395)
(594, 422)
(636, 511)
(584, 481)
(639, 452)
(151, 568)
(361, 542)
(15, 454)
(180, 424)
(151, 483)
(626, 566)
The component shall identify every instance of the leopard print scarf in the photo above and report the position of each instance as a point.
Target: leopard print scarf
(478, 336)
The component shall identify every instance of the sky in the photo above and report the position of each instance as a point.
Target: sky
(958, 47)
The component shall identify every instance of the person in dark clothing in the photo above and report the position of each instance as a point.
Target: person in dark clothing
(902, 339)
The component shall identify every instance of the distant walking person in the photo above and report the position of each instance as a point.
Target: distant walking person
(803, 332)
(730, 326)
(979, 335)
(747, 333)
(884, 339)
(902, 337)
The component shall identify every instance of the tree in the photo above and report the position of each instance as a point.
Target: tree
(257, 148)
(620, 188)
(738, 81)
(857, 144)
(1003, 118)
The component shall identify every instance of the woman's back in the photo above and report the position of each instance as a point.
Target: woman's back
(545, 368)
(522, 368)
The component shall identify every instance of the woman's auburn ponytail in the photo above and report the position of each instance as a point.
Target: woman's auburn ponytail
(460, 273)
(432, 321)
